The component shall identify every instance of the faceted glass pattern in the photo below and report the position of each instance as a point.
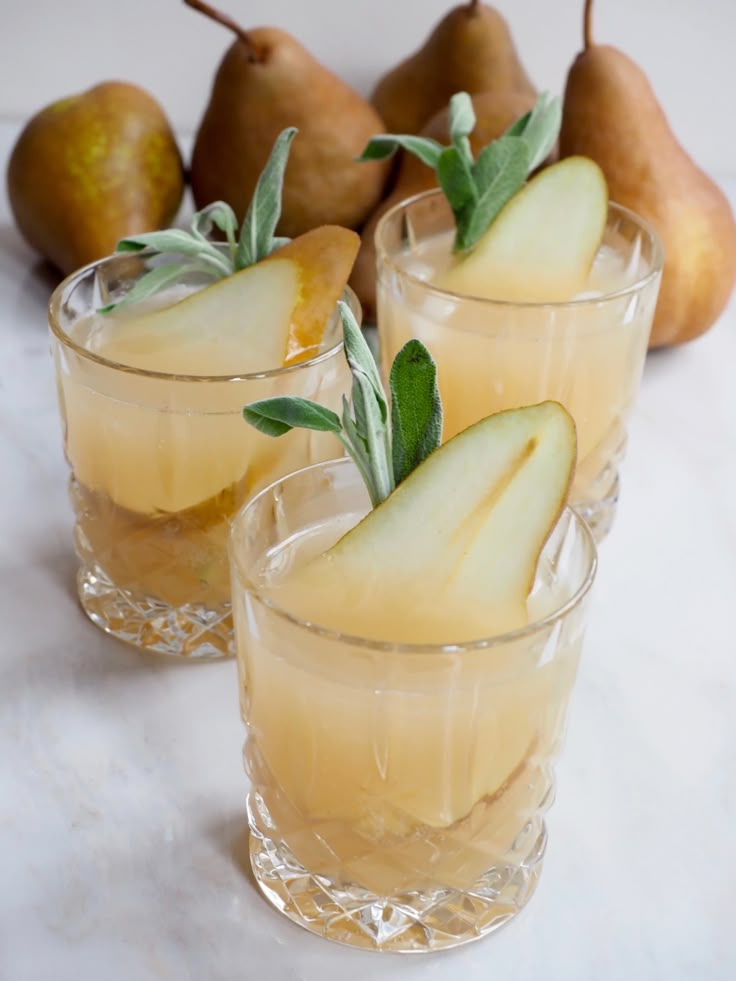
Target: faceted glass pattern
(160, 464)
(397, 792)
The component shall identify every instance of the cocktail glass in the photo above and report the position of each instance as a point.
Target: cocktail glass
(398, 791)
(161, 462)
(587, 353)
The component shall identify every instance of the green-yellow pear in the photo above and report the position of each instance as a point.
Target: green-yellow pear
(470, 50)
(91, 169)
(612, 115)
(494, 113)
(266, 82)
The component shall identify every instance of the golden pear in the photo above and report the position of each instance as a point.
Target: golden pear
(266, 82)
(495, 112)
(470, 50)
(612, 115)
(91, 169)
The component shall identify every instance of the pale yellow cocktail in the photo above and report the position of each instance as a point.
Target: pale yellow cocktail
(398, 790)
(161, 459)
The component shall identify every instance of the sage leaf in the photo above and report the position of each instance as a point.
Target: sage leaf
(462, 123)
(278, 242)
(173, 240)
(203, 256)
(478, 190)
(456, 179)
(514, 164)
(518, 128)
(149, 284)
(416, 408)
(462, 116)
(356, 446)
(363, 429)
(494, 158)
(542, 128)
(382, 146)
(370, 409)
(355, 439)
(371, 428)
(279, 415)
(359, 356)
(220, 215)
(264, 210)
(217, 259)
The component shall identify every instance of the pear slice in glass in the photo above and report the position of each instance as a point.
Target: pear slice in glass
(542, 244)
(270, 314)
(451, 554)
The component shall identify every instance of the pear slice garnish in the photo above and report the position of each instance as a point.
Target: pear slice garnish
(451, 554)
(269, 314)
(541, 246)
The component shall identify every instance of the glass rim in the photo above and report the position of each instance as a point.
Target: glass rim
(403, 647)
(637, 286)
(64, 338)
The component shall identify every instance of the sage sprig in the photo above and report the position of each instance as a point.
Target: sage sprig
(416, 408)
(196, 252)
(386, 446)
(477, 190)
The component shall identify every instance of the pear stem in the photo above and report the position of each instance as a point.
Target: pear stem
(588, 25)
(473, 7)
(220, 18)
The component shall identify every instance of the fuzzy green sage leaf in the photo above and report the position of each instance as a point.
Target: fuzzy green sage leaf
(499, 174)
(416, 408)
(360, 358)
(462, 124)
(381, 147)
(277, 416)
(456, 179)
(218, 215)
(264, 210)
(278, 241)
(202, 255)
(539, 128)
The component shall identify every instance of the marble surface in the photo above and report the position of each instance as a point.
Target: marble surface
(122, 824)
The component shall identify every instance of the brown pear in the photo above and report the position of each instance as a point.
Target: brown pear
(470, 50)
(91, 169)
(612, 115)
(495, 112)
(266, 82)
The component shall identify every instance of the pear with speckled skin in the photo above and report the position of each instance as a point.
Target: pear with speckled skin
(612, 115)
(469, 50)
(267, 81)
(91, 169)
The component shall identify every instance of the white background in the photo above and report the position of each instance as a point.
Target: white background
(49, 49)
(122, 838)
(123, 850)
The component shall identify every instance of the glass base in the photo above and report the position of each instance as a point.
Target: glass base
(600, 514)
(416, 921)
(191, 631)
